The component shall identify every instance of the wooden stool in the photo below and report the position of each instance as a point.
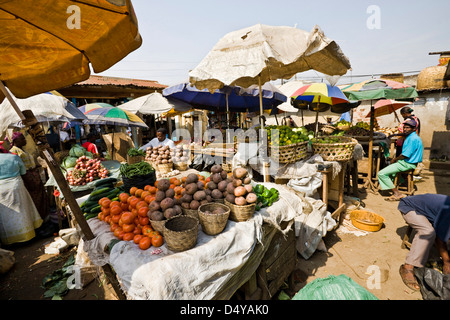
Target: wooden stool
(406, 242)
(409, 189)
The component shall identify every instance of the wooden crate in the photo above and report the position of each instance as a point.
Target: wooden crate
(277, 264)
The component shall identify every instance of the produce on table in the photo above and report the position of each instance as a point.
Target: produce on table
(75, 152)
(265, 197)
(128, 218)
(136, 169)
(288, 135)
(86, 170)
(102, 188)
(159, 155)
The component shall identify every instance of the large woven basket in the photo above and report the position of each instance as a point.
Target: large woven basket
(213, 223)
(340, 151)
(190, 212)
(290, 153)
(135, 159)
(240, 213)
(181, 232)
(158, 225)
(165, 167)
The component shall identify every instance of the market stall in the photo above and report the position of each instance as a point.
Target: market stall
(234, 256)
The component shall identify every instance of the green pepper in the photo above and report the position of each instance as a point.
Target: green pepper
(273, 190)
(266, 193)
(272, 199)
(264, 203)
(258, 189)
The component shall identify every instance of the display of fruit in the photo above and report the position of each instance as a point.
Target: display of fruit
(86, 170)
(159, 155)
(287, 135)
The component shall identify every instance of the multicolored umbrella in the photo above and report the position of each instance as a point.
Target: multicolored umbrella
(104, 113)
(320, 97)
(387, 106)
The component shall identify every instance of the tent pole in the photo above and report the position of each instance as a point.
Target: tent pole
(260, 102)
(369, 183)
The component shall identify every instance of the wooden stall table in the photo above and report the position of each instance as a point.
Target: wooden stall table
(224, 151)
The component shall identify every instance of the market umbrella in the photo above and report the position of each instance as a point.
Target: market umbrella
(387, 106)
(227, 98)
(258, 54)
(320, 97)
(46, 107)
(155, 103)
(375, 89)
(50, 44)
(104, 113)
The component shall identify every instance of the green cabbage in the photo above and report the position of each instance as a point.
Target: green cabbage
(69, 162)
(77, 151)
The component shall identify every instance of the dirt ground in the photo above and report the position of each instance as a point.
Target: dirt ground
(346, 254)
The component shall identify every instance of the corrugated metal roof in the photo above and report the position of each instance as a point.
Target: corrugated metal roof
(116, 81)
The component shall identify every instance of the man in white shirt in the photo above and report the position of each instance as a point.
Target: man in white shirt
(160, 140)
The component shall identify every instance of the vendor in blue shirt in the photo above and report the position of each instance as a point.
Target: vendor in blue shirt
(411, 155)
(429, 215)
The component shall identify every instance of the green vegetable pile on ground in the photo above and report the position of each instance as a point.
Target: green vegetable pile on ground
(136, 169)
(55, 284)
(265, 197)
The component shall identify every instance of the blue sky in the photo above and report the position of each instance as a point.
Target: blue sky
(178, 34)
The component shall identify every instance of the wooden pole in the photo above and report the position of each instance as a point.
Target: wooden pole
(37, 133)
(261, 112)
(369, 182)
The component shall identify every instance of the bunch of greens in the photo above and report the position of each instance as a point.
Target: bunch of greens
(136, 152)
(55, 283)
(141, 168)
(265, 196)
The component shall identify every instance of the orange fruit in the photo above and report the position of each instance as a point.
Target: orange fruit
(142, 211)
(127, 217)
(138, 192)
(115, 210)
(133, 190)
(144, 221)
(144, 194)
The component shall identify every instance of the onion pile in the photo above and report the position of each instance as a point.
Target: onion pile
(86, 170)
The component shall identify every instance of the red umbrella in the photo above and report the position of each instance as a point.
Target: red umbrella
(387, 106)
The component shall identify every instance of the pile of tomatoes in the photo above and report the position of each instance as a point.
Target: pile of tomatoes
(128, 216)
(129, 221)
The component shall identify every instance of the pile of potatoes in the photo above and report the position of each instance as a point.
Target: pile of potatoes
(239, 191)
(165, 205)
(159, 155)
(180, 154)
(236, 189)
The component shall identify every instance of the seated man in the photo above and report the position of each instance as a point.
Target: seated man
(429, 215)
(411, 155)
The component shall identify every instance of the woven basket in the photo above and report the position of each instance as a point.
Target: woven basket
(164, 167)
(218, 200)
(180, 166)
(135, 159)
(190, 212)
(214, 223)
(341, 151)
(158, 225)
(290, 153)
(240, 213)
(180, 232)
(432, 78)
